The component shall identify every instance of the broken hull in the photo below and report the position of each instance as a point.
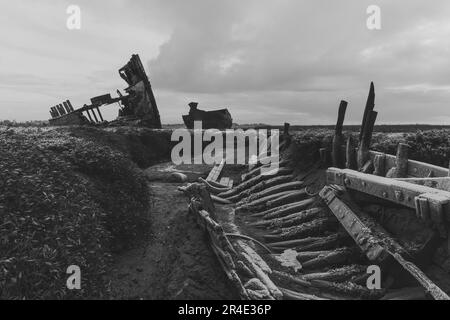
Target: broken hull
(316, 251)
(216, 119)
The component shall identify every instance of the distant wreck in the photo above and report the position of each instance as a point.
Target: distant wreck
(137, 107)
(216, 119)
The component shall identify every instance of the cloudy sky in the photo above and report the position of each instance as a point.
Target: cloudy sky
(268, 61)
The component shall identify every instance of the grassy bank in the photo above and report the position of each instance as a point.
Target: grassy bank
(64, 200)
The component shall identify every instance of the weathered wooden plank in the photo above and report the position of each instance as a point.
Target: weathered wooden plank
(357, 229)
(441, 183)
(379, 246)
(415, 168)
(396, 191)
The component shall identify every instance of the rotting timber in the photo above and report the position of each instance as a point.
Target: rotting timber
(313, 234)
(138, 106)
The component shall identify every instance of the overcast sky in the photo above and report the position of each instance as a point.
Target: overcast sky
(268, 61)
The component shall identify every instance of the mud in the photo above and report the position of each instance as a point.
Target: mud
(176, 262)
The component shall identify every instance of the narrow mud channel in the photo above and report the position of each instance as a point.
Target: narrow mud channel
(175, 262)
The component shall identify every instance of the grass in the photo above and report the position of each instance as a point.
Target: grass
(64, 201)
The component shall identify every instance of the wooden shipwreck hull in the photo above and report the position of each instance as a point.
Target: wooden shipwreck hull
(215, 119)
(137, 106)
(324, 232)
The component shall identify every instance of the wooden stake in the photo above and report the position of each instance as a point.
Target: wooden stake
(379, 164)
(370, 104)
(350, 154)
(338, 139)
(402, 161)
(364, 145)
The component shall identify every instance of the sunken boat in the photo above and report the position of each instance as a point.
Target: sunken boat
(137, 106)
(215, 119)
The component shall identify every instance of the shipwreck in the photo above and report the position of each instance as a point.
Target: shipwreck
(136, 106)
(329, 219)
(215, 119)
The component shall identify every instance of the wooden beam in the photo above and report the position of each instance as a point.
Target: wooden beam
(373, 240)
(415, 168)
(399, 192)
(441, 183)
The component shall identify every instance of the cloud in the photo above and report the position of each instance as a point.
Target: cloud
(267, 61)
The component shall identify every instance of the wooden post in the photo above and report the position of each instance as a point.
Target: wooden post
(364, 145)
(350, 154)
(338, 139)
(370, 105)
(402, 161)
(286, 129)
(379, 162)
(325, 157)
